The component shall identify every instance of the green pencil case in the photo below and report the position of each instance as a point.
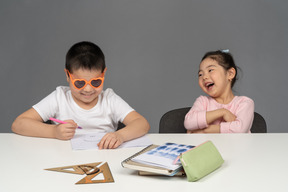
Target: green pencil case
(201, 160)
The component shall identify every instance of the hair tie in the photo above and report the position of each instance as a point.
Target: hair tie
(225, 50)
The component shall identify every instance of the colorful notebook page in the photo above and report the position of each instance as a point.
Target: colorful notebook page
(163, 156)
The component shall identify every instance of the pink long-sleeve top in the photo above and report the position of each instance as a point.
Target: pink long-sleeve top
(242, 107)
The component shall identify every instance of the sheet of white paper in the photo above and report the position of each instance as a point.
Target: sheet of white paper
(90, 141)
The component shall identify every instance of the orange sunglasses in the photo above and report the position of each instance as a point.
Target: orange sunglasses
(81, 83)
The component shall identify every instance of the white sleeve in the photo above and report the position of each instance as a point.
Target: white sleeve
(47, 107)
(119, 107)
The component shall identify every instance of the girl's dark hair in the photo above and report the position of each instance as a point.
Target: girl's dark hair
(85, 55)
(224, 59)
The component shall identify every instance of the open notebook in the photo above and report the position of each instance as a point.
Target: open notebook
(157, 159)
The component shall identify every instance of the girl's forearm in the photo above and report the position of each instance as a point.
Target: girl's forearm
(212, 116)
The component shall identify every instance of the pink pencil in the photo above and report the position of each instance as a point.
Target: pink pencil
(59, 121)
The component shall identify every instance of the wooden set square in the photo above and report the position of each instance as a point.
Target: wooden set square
(91, 170)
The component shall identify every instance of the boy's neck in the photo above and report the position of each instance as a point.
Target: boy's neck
(85, 106)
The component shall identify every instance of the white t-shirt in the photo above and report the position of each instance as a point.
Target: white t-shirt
(103, 117)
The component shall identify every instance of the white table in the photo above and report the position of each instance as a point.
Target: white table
(253, 162)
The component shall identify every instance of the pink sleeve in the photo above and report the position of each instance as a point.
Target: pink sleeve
(244, 120)
(196, 117)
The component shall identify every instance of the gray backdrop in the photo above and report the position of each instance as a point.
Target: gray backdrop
(152, 48)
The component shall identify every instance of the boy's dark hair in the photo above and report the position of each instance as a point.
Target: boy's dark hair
(85, 55)
(224, 59)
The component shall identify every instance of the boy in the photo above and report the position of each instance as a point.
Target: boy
(84, 102)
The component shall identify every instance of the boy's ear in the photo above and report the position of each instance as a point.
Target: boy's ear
(104, 72)
(231, 73)
(67, 77)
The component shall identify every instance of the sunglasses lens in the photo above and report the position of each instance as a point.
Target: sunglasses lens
(96, 83)
(79, 84)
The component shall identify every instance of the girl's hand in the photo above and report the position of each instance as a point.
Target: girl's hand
(212, 129)
(65, 131)
(189, 131)
(209, 129)
(195, 131)
(228, 116)
(110, 141)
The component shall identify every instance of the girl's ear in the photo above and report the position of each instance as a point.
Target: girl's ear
(231, 73)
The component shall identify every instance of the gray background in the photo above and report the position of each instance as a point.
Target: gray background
(152, 48)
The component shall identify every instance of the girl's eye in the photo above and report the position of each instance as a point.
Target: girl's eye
(210, 70)
(199, 75)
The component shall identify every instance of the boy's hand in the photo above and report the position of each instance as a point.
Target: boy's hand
(65, 131)
(110, 141)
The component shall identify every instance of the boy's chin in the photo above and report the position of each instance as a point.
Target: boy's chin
(88, 100)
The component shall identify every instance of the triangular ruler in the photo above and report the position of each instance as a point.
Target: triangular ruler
(103, 169)
(90, 169)
(76, 169)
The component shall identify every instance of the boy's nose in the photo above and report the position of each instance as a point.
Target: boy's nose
(88, 88)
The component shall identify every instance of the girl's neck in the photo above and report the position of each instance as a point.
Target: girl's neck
(225, 99)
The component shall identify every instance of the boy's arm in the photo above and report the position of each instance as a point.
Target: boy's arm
(30, 123)
(136, 126)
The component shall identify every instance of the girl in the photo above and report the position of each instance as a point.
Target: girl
(221, 111)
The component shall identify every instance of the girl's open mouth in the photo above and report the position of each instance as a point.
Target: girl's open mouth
(209, 85)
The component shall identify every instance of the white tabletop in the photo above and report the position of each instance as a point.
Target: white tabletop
(253, 162)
